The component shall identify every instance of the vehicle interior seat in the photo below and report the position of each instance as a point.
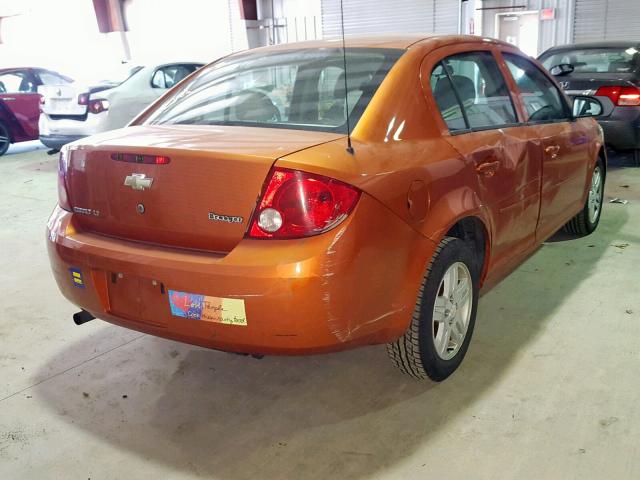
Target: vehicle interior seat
(479, 114)
(27, 86)
(448, 104)
(620, 66)
(256, 106)
(337, 113)
(179, 73)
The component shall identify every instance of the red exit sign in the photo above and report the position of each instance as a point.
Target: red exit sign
(548, 14)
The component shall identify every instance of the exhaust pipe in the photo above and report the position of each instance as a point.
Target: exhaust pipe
(82, 317)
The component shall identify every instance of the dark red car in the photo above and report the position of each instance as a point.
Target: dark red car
(20, 102)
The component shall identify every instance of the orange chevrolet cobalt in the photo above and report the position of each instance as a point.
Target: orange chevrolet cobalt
(306, 198)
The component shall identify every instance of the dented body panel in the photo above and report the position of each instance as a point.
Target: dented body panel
(319, 294)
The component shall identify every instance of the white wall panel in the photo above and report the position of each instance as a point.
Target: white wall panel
(606, 20)
(364, 17)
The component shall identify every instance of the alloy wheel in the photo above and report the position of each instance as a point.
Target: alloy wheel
(452, 310)
(595, 196)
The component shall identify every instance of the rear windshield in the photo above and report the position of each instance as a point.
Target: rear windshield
(300, 89)
(596, 60)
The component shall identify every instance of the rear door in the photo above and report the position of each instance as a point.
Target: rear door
(481, 123)
(18, 95)
(564, 143)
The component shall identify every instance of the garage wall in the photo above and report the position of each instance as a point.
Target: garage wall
(184, 30)
(364, 17)
(606, 20)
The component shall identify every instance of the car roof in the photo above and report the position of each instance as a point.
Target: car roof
(12, 69)
(607, 44)
(400, 41)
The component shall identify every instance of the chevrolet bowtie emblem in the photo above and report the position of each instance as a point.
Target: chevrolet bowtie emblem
(138, 181)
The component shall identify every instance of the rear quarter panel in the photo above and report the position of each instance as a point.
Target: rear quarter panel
(401, 159)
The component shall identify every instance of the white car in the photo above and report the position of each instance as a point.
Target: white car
(73, 111)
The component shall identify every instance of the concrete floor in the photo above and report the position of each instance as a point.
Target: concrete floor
(549, 388)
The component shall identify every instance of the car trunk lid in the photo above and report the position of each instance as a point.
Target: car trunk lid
(202, 199)
(588, 83)
(62, 99)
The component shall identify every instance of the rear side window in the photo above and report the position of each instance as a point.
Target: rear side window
(471, 92)
(541, 97)
(300, 89)
(17, 82)
(50, 78)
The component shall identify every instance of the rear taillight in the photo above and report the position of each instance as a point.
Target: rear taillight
(83, 99)
(98, 105)
(296, 204)
(137, 158)
(42, 102)
(621, 96)
(63, 168)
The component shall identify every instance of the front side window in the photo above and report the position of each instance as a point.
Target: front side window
(596, 60)
(299, 89)
(541, 97)
(471, 92)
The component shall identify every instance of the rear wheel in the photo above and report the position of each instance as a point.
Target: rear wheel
(442, 324)
(587, 220)
(5, 140)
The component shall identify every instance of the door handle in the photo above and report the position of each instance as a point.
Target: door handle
(488, 169)
(7, 99)
(552, 150)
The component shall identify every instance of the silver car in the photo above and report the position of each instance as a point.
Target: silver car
(73, 111)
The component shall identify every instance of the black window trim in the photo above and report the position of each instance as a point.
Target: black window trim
(470, 129)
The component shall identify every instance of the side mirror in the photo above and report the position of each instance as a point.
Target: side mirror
(562, 69)
(586, 107)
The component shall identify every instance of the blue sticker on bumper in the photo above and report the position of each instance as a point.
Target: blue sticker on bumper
(187, 305)
(76, 277)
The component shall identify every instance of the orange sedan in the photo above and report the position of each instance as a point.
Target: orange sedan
(269, 204)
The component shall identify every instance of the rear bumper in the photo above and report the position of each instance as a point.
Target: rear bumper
(58, 141)
(55, 133)
(354, 285)
(622, 128)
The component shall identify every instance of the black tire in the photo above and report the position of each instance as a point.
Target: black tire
(583, 224)
(4, 144)
(415, 352)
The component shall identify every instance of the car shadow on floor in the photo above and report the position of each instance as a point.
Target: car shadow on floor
(349, 415)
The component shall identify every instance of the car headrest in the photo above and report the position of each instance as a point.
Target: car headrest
(466, 88)
(338, 89)
(620, 66)
(444, 94)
